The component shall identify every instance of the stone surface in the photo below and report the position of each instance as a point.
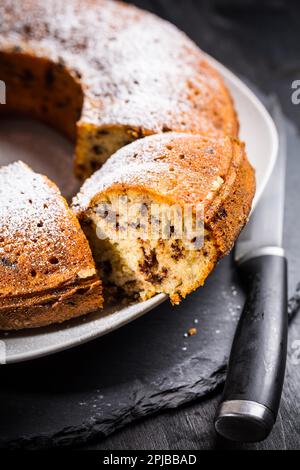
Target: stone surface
(150, 366)
(143, 368)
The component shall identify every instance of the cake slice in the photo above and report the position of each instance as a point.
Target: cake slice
(132, 211)
(47, 273)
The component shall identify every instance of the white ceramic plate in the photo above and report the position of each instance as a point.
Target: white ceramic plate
(49, 153)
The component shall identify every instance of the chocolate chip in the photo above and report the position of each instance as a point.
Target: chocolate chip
(98, 149)
(102, 132)
(49, 77)
(177, 251)
(149, 262)
(222, 213)
(27, 75)
(8, 263)
(95, 165)
(27, 29)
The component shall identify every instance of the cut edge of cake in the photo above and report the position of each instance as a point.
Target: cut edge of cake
(170, 170)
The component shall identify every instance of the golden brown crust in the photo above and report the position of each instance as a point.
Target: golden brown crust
(231, 208)
(182, 169)
(106, 74)
(45, 260)
(176, 168)
(56, 307)
(117, 66)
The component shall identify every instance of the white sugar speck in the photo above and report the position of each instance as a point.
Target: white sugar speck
(234, 291)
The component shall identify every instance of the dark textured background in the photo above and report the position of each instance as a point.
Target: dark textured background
(259, 40)
(81, 395)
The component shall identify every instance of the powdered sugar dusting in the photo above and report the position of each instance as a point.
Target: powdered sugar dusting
(179, 166)
(28, 206)
(41, 244)
(135, 69)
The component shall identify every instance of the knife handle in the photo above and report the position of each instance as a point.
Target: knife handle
(253, 387)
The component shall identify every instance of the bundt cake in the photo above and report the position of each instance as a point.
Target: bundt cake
(134, 191)
(47, 273)
(106, 73)
(118, 81)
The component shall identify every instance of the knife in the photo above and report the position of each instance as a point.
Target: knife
(256, 369)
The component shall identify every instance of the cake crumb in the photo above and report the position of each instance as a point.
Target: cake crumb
(192, 331)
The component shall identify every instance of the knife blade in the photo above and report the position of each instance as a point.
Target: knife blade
(265, 227)
(256, 368)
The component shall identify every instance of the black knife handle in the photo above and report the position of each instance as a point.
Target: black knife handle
(257, 362)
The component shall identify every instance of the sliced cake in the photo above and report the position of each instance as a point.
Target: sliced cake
(47, 273)
(207, 177)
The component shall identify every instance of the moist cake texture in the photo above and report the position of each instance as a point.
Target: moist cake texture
(167, 170)
(118, 81)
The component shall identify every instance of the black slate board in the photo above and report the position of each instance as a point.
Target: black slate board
(258, 39)
(142, 368)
